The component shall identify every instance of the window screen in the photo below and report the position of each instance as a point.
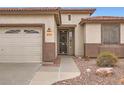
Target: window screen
(110, 33)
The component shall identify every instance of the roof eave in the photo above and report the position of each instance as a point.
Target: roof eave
(100, 21)
(57, 19)
(28, 12)
(74, 11)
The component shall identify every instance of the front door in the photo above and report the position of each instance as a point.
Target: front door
(66, 42)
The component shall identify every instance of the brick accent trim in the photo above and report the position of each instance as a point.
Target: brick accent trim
(93, 49)
(48, 52)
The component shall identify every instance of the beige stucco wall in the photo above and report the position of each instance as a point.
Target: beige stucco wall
(93, 33)
(48, 20)
(122, 33)
(75, 19)
(55, 37)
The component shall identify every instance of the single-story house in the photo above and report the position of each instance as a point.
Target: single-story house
(41, 34)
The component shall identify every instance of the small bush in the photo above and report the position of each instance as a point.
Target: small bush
(107, 59)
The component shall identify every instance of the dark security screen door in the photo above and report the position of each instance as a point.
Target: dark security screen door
(66, 42)
(63, 42)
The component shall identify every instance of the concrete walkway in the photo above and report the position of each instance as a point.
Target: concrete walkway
(48, 75)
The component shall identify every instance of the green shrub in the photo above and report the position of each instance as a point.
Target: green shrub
(107, 59)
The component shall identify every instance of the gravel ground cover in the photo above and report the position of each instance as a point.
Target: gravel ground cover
(90, 78)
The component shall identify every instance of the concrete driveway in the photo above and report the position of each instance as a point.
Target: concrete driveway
(17, 73)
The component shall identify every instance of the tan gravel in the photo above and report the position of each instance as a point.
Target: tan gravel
(88, 76)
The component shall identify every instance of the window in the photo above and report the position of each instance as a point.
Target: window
(110, 33)
(12, 31)
(69, 17)
(30, 31)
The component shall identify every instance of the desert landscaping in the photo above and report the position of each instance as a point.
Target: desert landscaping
(92, 74)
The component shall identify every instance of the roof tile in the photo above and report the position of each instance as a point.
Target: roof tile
(28, 9)
(102, 19)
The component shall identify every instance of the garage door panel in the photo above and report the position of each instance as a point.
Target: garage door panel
(16, 57)
(21, 54)
(21, 47)
(31, 35)
(24, 44)
(30, 44)
(20, 50)
(32, 40)
(20, 61)
(11, 41)
(34, 53)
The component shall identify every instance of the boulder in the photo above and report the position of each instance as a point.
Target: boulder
(104, 72)
(121, 81)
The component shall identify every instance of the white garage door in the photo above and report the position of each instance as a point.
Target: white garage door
(20, 45)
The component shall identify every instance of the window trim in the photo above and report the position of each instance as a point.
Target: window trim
(119, 34)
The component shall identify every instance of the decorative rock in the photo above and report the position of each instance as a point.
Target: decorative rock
(88, 70)
(64, 82)
(79, 57)
(104, 72)
(121, 81)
